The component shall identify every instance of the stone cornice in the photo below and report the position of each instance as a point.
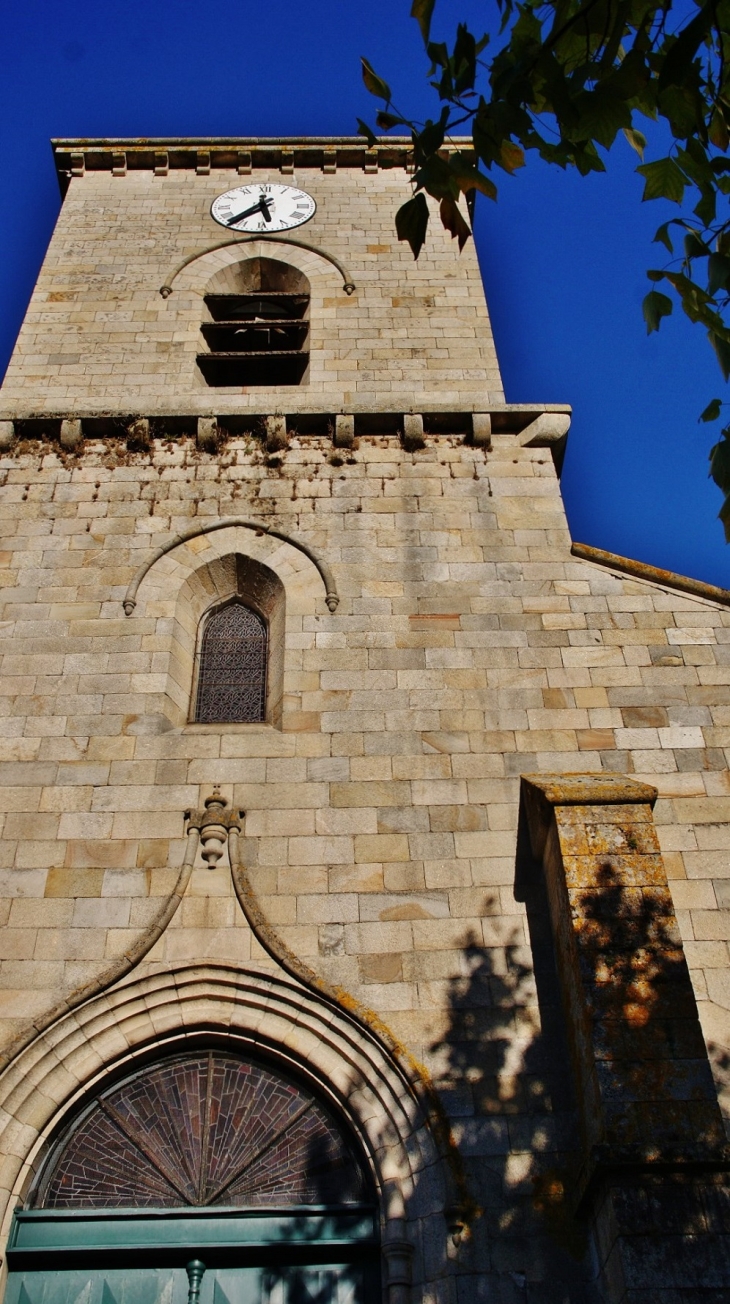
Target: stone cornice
(241, 154)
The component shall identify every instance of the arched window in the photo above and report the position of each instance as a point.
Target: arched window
(257, 330)
(232, 668)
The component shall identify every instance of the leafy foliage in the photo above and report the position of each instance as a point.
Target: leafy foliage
(566, 78)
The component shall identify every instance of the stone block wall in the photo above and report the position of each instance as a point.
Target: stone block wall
(380, 835)
(432, 641)
(98, 336)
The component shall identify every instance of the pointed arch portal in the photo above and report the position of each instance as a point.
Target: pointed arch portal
(206, 1177)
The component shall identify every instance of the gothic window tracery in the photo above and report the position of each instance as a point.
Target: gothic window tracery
(232, 669)
(207, 1129)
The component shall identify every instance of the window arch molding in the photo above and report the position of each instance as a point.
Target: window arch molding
(273, 576)
(187, 304)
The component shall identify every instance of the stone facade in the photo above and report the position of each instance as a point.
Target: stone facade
(434, 641)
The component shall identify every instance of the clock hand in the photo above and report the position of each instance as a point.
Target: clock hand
(260, 207)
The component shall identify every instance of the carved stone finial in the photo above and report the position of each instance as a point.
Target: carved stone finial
(214, 824)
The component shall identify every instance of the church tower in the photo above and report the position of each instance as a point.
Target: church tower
(363, 842)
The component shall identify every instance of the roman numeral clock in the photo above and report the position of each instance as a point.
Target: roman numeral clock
(260, 208)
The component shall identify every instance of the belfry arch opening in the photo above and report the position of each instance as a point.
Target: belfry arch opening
(209, 1157)
(257, 325)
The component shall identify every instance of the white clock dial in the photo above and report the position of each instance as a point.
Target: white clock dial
(263, 207)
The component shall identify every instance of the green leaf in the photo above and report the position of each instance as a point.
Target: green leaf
(422, 11)
(712, 411)
(468, 177)
(683, 109)
(724, 515)
(654, 307)
(453, 221)
(694, 247)
(429, 140)
(678, 60)
(655, 275)
(437, 177)
(636, 139)
(601, 114)
(719, 134)
(718, 273)
(389, 120)
(511, 156)
(720, 464)
(662, 237)
(411, 222)
(722, 353)
(364, 130)
(464, 60)
(375, 84)
(663, 180)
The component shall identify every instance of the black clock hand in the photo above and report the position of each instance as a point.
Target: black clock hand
(260, 207)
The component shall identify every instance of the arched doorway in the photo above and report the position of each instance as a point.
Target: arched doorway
(202, 1178)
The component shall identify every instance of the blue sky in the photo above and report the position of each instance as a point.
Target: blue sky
(563, 257)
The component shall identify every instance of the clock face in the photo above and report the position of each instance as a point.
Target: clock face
(263, 207)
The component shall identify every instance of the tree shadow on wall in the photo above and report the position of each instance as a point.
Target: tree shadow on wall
(503, 1072)
(508, 1073)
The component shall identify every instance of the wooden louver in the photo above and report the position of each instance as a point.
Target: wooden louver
(257, 338)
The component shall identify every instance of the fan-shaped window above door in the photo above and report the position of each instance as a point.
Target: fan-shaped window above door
(257, 330)
(204, 1130)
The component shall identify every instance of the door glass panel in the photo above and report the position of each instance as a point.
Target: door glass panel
(295, 1284)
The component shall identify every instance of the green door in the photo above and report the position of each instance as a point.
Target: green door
(307, 1256)
(294, 1284)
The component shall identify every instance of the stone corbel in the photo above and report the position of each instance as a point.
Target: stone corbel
(547, 429)
(413, 437)
(344, 435)
(214, 824)
(71, 435)
(7, 435)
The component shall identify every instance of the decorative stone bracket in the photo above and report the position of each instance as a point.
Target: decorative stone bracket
(214, 824)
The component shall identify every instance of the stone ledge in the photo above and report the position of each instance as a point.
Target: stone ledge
(591, 789)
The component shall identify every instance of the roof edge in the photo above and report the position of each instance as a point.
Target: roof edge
(74, 156)
(653, 574)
